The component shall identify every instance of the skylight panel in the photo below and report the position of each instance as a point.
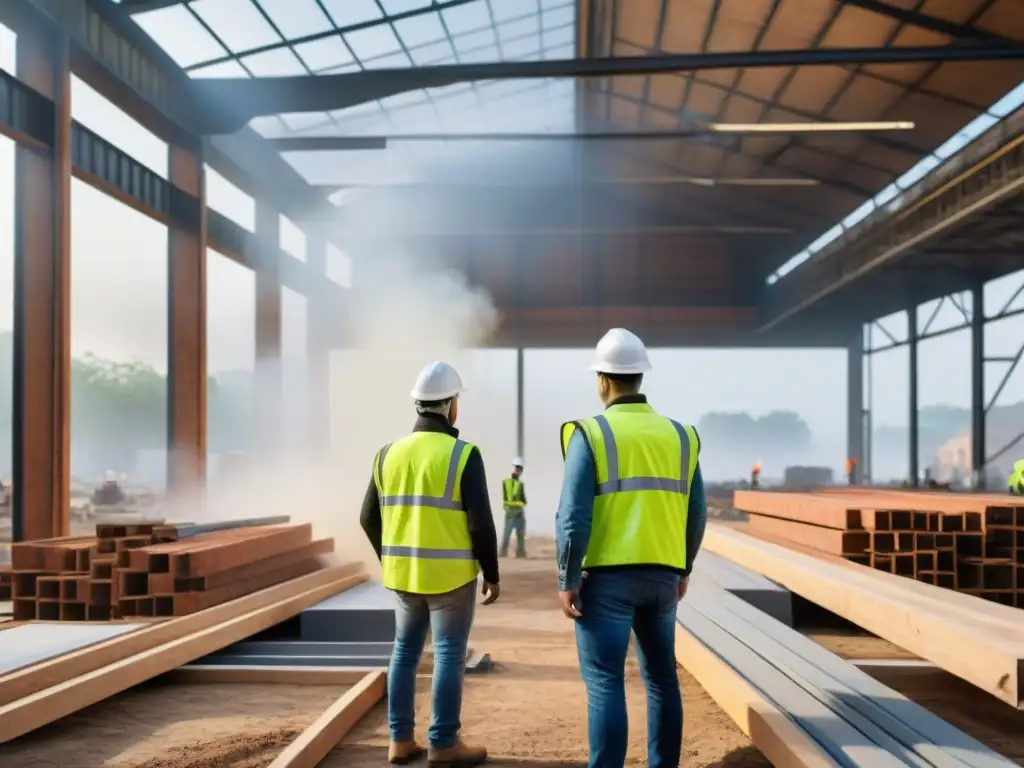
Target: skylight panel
(466, 18)
(325, 53)
(181, 34)
(296, 18)
(373, 42)
(421, 30)
(279, 62)
(237, 22)
(347, 13)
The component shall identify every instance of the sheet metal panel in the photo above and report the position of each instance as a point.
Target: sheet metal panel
(30, 644)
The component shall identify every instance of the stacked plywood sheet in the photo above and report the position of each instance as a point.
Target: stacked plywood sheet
(154, 569)
(972, 543)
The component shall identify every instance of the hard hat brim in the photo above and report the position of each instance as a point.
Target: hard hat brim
(623, 369)
(435, 396)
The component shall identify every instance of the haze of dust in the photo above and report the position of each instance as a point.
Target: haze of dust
(400, 319)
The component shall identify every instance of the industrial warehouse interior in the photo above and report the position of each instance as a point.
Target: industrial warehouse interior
(233, 232)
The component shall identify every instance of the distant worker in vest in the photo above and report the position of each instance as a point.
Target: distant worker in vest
(1016, 484)
(755, 475)
(850, 470)
(428, 516)
(630, 522)
(513, 496)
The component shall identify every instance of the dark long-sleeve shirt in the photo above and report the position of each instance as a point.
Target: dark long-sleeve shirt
(474, 498)
(576, 512)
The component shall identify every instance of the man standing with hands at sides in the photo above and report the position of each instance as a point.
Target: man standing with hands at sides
(428, 516)
(513, 496)
(630, 522)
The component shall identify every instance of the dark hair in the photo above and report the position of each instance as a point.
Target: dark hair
(625, 382)
(433, 403)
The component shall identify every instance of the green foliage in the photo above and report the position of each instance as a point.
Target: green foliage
(780, 431)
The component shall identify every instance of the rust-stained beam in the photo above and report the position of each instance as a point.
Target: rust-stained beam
(186, 348)
(42, 277)
(269, 414)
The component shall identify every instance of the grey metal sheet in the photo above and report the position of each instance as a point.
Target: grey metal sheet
(30, 644)
(364, 614)
(302, 648)
(246, 659)
(891, 720)
(764, 594)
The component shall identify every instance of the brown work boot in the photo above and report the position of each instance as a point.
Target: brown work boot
(404, 752)
(461, 755)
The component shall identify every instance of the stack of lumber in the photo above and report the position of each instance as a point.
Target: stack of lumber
(153, 569)
(972, 543)
(802, 705)
(980, 642)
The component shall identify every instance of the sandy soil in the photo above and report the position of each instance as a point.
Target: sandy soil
(165, 725)
(532, 708)
(856, 644)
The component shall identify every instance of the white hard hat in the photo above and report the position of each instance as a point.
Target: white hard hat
(620, 351)
(438, 381)
(517, 461)
(109, 476)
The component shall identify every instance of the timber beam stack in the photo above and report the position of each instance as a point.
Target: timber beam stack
(156, 570)
(971, 543)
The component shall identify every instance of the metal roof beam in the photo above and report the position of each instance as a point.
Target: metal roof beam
(923, 20)
(141, 6)
(227, 104)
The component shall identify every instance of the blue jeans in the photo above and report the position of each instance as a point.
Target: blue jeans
(613, 604)
(514, 523)
(449, 617)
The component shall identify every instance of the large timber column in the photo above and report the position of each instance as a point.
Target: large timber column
(186, 348)
(914, 428)
(42, 328)
(269, 403)
(978, 386)
(855, 404)
(318, 349)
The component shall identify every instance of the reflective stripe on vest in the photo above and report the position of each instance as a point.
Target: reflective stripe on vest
(426, 547)
(644, 464)
(511, 490)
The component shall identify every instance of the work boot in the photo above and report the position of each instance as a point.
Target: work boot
(404, 752)
(462, 755)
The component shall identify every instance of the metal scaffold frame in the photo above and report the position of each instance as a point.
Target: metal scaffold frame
(974, 319)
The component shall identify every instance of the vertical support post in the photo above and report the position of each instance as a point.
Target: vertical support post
(520, 407)
(855, 404)
(42, 297)
(978, 386)
(269, 403)
(914, 469)
(186, 327)
(318, 352)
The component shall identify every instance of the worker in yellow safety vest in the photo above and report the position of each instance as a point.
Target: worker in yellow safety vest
(1016, 484)
(513, 497)
(630, 522)
(428, 516)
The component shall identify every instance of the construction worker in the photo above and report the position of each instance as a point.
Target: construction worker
(110, 492)
(850, 470)
(513, 496)
(428, 516)
(1016, 484)
(755, 475)
(630, 522)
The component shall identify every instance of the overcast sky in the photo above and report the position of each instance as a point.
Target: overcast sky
(119, 308)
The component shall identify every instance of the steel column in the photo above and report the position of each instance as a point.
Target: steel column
(978, 386)
(318, 350)
(269, 402)
(914, 470)
(42, 276)
(520, 407)
(855, 403)
(186, 327)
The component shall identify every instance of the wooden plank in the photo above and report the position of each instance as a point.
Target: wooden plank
(37, 677)
(830, 540)
(215, 674)
(987, 654)
(46, 706)
(333, 725)
(770, 729)
(819, 510)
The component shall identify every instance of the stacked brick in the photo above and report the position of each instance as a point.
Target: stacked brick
(979, 551)
(151, 570)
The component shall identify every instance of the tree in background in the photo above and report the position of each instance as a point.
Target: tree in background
(781, 437)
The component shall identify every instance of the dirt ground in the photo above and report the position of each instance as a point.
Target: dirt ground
(171, 725)
(532, 708)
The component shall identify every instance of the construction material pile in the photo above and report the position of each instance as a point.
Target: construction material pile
(5, 582)
(972, 543)
(153, 569)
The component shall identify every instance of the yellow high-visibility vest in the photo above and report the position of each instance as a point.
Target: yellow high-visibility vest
(512, 489)
(644, 464)
(426, 547)
(1017, 479)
